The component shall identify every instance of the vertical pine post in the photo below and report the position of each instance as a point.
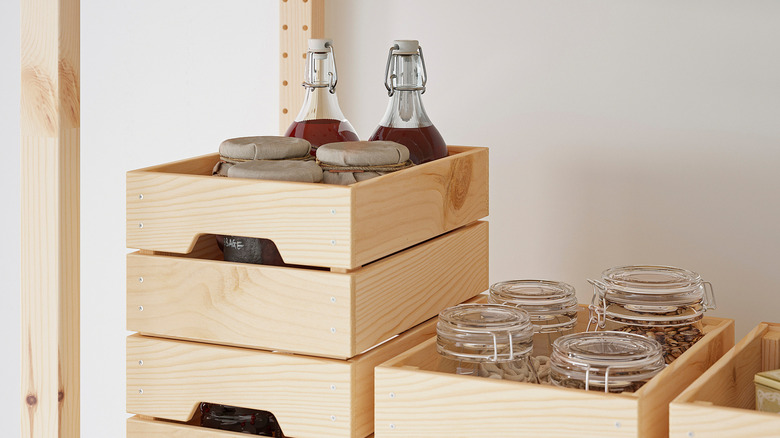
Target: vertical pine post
(299, 20)
(50, 218)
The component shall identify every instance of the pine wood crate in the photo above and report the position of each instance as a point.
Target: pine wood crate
(415, 398)
(721, 402)
(170, 205)
(310, 396)
(305, 311)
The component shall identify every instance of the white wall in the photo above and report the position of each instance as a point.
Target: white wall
(620, 132)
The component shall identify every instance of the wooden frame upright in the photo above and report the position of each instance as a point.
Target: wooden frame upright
(50, 218)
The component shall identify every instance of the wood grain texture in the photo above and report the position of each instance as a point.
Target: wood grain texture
(167, 211)
(50, 218)
(404, 208)
(310, 396)
(169, 206)
(299, 20)
(429, 402)
(721, 402)
(138, 427)
(412, 286)
(770, 351)
(304, 310)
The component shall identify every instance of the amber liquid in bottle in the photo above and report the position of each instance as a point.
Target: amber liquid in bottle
(424, 143)
(322, 131)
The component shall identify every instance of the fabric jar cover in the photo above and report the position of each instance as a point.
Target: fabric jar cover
(349, 162)
(269, 158)
(243, 149)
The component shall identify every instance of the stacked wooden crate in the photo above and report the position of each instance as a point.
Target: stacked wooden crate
(375, 263)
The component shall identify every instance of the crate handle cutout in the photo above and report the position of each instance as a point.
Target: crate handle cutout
(236, 419)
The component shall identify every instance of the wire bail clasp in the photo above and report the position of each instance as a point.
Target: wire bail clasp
(598, 305)
(390, 76)
(311, 77)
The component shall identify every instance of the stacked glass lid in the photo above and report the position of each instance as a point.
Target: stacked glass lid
(660, 302)
(486, 340)
(605, 361)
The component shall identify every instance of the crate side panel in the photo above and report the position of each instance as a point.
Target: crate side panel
(363, 373)
(310, 223)
(168, 379)
(147, 428)
(399, 210)
(299, 310)
(656, 395)
(701, 421)
(416, 284)
(428, 404)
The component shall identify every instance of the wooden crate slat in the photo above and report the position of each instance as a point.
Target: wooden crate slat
(304, 310)
(50, 122)
(396, 211)
(138, 427)
(721, 402)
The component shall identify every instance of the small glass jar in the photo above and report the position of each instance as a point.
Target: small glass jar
(660, 302)
(605, 361)
(486, 340)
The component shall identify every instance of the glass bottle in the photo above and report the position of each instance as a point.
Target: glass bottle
(605, 361)
(405, 120)
(486, 340)
(660, 302)
(552, 307)
(320, 120)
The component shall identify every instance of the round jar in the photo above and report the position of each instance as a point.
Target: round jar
(487, 340)
(605, 361)
(663, 303)
(552, 307)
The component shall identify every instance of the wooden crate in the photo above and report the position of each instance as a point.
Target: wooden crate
(415, 398)
(721, 402)
(310, 396)
(304, 310)
(170, 205)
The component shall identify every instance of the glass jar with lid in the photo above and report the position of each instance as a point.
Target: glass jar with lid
(605, 361)
(552, 306)
(487, 340)
(660, 302)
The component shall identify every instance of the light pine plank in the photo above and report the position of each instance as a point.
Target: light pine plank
(50, 218)
(721, 402)
(300, 310)
(770, 349)
(298, 21)
(310, 223)
(404, 208)
(721, 422)
(138, 427)
(304, 310)
(176, 376)
(412, 286)
(655, 396)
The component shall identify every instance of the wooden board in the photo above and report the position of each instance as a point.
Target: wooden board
(310, 397)
(170, 206)
(413, 396)
(298, 21)
(303, 310)
(50, 218)
(138, 427)
(721, 402)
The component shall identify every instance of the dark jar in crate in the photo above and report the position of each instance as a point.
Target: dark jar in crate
(663, 303)
(235, 419)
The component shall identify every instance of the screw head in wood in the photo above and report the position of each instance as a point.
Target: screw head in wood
(332, 387)
(333, 329)
(617, 425)
(392, 426)
(140, 279)
(392, 395)
(141, 196)
(140, 391)
(140, 308)
(332, 418)
(332, 211)
(140, 362)
(333, 242)
(141, 225)
(332, 299)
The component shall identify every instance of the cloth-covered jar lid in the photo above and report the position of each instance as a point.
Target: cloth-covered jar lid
(280, 170)
(363, 153)
(264, 148)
